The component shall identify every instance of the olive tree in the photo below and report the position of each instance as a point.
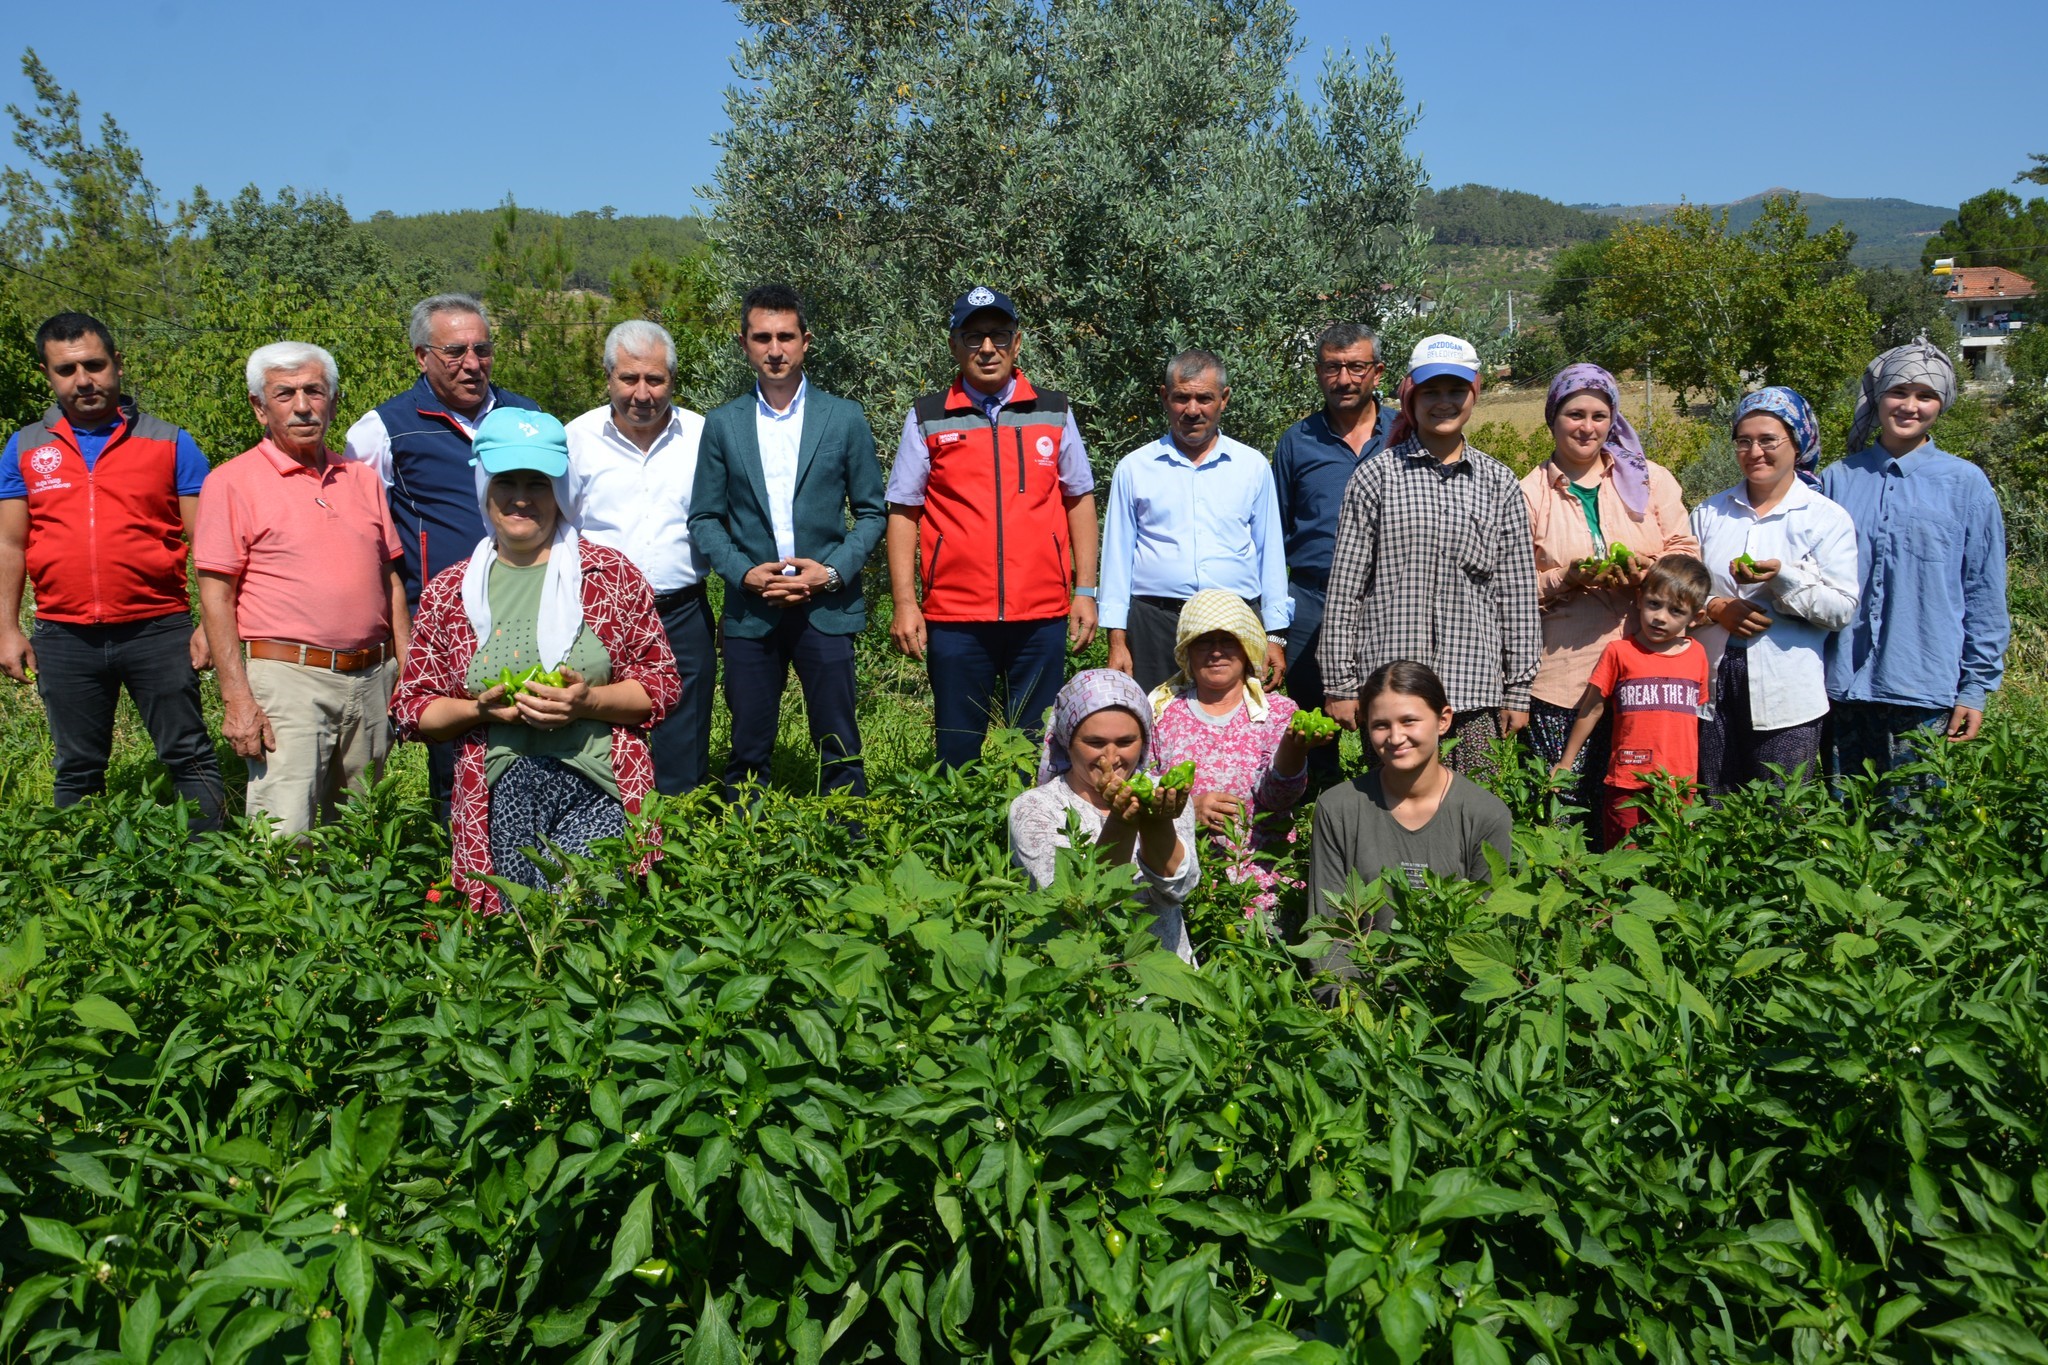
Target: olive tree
(1139, 175)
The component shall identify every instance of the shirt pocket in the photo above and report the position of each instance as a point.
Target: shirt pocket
(1475, 543)
(1932, 541)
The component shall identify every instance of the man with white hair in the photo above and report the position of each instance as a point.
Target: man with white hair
(419, 444)
(632, 463)
(97, 502)
(303, 602)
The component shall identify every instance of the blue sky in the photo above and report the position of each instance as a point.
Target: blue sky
(1602, 102)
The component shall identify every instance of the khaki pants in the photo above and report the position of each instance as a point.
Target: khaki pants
(332, 731)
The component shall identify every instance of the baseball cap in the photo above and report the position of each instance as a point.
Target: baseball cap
(1441, 354)
(515, 438)
(978, 298)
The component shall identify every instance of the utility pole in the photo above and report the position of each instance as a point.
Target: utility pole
(1511, 312)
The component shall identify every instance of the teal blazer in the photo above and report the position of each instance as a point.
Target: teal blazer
(836, 473)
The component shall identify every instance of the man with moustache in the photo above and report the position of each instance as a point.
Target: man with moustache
(97, 504)
(419, 444)
(1190, 511)
(304, 605)
(632, 464)
(992, 507)
(1314, 460)
(780, 473)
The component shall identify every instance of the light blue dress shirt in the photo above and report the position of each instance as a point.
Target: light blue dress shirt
(1932, 626)
(1175, 527)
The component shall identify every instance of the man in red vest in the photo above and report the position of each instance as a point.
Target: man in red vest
(992, 504)
(97, 502)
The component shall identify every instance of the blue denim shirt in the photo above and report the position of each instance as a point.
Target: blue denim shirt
(1931, 627)
(1311, 465)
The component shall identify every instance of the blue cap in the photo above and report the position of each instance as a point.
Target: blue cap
(978, 298)
(516, 438)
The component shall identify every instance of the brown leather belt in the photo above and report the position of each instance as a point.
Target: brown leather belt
(312, 656)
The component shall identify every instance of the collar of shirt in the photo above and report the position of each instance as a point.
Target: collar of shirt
(1414, 449)
(470, 424)
(1218, 453)
(1562, 481)
(991, 403)
(287, 464)
(1796, 497)
(625, 442)
(1382, 423)
(763, 408)
(1909, 462)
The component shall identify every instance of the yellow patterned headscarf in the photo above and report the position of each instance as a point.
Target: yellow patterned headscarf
(1213, 610)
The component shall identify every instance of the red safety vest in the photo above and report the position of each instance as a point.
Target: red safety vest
(993, 539)
(105, 545)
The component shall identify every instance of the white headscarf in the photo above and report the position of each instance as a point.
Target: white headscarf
(561, 594)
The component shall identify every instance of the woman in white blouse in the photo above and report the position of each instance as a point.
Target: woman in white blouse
(1783, 560)
(1099, 737)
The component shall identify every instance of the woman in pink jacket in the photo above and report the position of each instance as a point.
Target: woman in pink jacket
(1596, 490)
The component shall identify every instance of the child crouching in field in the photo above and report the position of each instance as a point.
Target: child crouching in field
(1658, 679)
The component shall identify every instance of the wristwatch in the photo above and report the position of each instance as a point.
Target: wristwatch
(1085, 592)
(833, 582)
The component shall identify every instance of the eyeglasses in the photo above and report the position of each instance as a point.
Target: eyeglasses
(454, 352)
(1767, 445)
(1001, 340)
(1357, 369)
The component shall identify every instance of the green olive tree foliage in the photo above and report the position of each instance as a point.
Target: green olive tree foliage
(1995, 228)
(1716, 313)
(82, 214)
(1139, 176)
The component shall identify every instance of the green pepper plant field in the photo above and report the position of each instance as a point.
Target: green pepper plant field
(1774, 1090)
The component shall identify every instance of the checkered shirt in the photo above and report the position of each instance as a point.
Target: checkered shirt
(1434, 563)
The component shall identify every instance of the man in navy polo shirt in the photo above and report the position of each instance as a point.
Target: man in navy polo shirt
(1314, 461)
(418, 442)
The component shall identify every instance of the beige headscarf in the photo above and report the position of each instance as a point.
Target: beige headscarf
(1213, 610)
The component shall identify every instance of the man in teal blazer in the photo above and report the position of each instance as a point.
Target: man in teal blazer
(778, 472)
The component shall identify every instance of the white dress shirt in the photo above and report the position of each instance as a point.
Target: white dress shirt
(1812, 595)
(638, 502)
(780, 434)
(369, 443)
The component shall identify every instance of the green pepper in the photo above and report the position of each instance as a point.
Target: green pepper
(1113, 1238)
(1312, 724)
(1141, 786)
(509, 683)
(1746, 562)
(28, 675)
(655, 1272)
(1180, 775)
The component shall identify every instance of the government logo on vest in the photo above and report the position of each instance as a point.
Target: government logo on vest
(1046, 447)
(45, 460)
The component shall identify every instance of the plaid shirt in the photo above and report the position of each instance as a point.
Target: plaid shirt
(1434, 563)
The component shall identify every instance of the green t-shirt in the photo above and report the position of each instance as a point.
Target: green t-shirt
(582, 745)
(1589, 498)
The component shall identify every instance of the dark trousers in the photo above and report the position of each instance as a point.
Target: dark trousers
(682, 742)
(1873, 732)
(965, 660)
(1149, 633)
(1305, 672)
(80, 671)
(1733, 752)
(757, 670)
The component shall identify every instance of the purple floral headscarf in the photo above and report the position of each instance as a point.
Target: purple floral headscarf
(1797, 415)
(1089, 691)
(1623, 446)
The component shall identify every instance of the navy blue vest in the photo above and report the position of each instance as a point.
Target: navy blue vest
(433, 486)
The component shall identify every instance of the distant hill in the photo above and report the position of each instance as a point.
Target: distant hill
(1888, 231)
(455, 244)
(1480, 215)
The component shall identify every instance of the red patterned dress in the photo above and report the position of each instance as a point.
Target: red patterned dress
(618, 608)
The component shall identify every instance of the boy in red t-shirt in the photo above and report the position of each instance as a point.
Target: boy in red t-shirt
(1658, 678)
